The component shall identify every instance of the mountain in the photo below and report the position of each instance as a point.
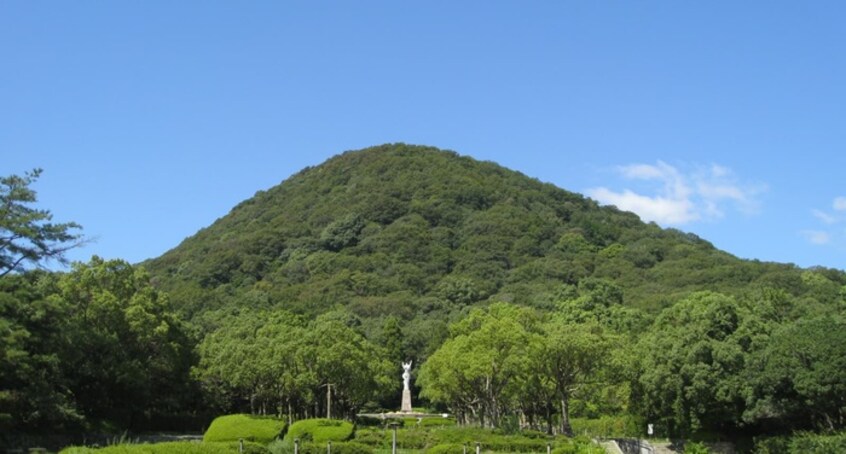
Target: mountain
(416, 232)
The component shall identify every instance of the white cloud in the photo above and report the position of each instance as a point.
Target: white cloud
(832, 219)
(720, 171)
(817, 237)
(824, 217)
(681, 198)
(643, 171)
(659, 209)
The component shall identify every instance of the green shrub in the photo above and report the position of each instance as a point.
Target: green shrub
(338, 447)
(368, 421)
(436, 422)
(802, 443)
(513, 444)
(260, 429)
(624, 426)
(771, 445)
(377, 438)
(414, 438)
(320, 430)
(177, 447)
(695, 448)
(578, 446)
(447, 448)
(814, 443)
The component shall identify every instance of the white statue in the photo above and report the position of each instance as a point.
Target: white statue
(406, 375)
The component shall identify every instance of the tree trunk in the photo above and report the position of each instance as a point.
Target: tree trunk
(549, 419)
(565, 417)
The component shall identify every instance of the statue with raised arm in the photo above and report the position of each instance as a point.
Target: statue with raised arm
(406, 389)
(406, 375)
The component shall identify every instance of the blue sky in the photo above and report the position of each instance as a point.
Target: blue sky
(152, 119)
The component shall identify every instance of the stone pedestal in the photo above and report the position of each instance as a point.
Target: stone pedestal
(406, 401)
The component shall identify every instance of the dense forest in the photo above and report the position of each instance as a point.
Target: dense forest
(520, 303)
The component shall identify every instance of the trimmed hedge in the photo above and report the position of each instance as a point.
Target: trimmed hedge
(310, 447)
(338, 447)
(447, 448)
(576, 447)
(320, 430)
(175, 447)
(260, 429)
(437, 422)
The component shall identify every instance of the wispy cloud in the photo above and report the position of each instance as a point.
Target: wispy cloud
(817, 237)
(824, 217)
(832, 223)
(669, 210)
(681, 197)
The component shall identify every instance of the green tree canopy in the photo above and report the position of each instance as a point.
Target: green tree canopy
(692, 362)
(27, 237)
(799, 378)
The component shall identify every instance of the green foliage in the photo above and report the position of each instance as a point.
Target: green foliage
(128, 355)
(436, 422)
(417, 238)
(96, 344)
(502, 359)
(692, 362)
(578, 446)
(625, 426)
(695, 448)
(325, 282)
(338, 447)
(275, 360)
(170, 448)
(320, 430)
(474, 372)
(27, 237)
(447, 448)
(799, 377)
(802, 443)
(248, 427)
(404, 218)
(309, 447)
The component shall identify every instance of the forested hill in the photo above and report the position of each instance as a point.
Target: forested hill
(406, 230)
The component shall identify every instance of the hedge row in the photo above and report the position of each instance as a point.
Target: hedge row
(804, 443)
(176, 447)
(259, 429)
(310, 447)
(320, 430)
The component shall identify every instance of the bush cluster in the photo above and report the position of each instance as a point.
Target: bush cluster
(446, 448)
(178, 447)
(805, 443)
(320, 430)
(310, 447)
(260, 429)
(624, 426)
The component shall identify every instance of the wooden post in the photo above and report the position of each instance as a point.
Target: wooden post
(394, 441)
(241, 446)
(296, 446)
(328, 447)
(478, 448)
